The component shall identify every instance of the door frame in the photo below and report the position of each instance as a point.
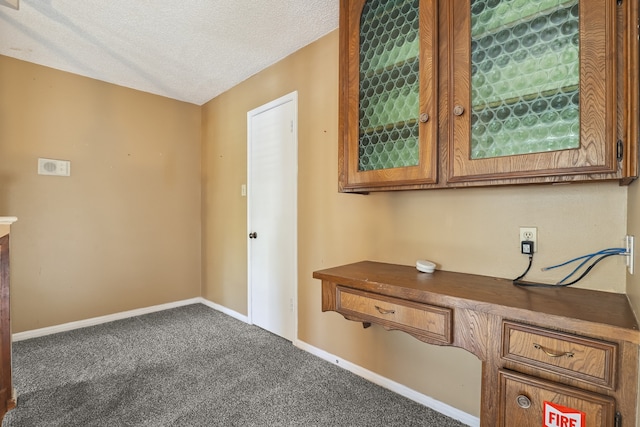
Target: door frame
(290, 97)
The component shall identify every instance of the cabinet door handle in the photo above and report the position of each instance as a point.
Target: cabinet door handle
(424, 118)
(384, 310)
(551, 353)
(458, 110)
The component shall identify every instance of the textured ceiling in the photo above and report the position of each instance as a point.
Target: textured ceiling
(190, 50)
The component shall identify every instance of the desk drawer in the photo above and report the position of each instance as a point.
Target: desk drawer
(422, 320)
(582, 358)
(524, 401)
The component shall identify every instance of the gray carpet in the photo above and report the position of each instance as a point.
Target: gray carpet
(193, 366)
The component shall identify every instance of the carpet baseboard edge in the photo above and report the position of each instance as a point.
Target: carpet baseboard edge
(35, 333)
(224, 310)
(398, 388)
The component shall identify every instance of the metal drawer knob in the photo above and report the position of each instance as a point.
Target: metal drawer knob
(523, 401)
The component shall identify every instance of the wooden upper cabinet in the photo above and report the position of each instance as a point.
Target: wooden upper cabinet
(533, 88)
(388, 86)
(487, 92)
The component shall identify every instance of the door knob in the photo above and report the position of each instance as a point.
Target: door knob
(458, 110)
(253, 235)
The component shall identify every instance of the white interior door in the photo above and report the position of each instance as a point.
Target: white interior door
(272, 215)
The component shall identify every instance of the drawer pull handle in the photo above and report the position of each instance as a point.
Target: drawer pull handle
(552, 353)
(384, 310)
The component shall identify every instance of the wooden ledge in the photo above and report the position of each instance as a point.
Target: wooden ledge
(7, 220)
(584, 311)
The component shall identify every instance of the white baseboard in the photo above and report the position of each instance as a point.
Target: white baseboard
(225, 310)
(34, 333)
(402, 390)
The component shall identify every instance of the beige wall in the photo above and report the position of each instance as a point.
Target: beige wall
(467, 230)
(122, 232)
(633, 228)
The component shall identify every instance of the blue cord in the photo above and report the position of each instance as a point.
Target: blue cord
(586, 258)
(582, 275)
(616, 250)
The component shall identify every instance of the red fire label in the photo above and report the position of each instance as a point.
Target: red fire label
(561, 416)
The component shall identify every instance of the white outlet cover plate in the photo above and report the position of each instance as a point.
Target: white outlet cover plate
(534, 232)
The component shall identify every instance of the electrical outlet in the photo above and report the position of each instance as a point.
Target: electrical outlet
(530, 234)
(629, 244)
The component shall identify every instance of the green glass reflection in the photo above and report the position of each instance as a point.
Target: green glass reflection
(525, 72)
(389, 100)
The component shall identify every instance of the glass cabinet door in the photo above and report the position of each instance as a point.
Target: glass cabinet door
(388, 81)
(533, 88)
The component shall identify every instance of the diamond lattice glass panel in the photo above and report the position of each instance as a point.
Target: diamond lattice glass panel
(525, 74)
(389, 102)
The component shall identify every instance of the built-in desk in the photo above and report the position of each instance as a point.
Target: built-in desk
(7, 394)
(539, 347)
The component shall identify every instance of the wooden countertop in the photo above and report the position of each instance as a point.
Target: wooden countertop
(574, 309)
(5, 222)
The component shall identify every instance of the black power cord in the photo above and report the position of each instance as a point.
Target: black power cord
(517, 279)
